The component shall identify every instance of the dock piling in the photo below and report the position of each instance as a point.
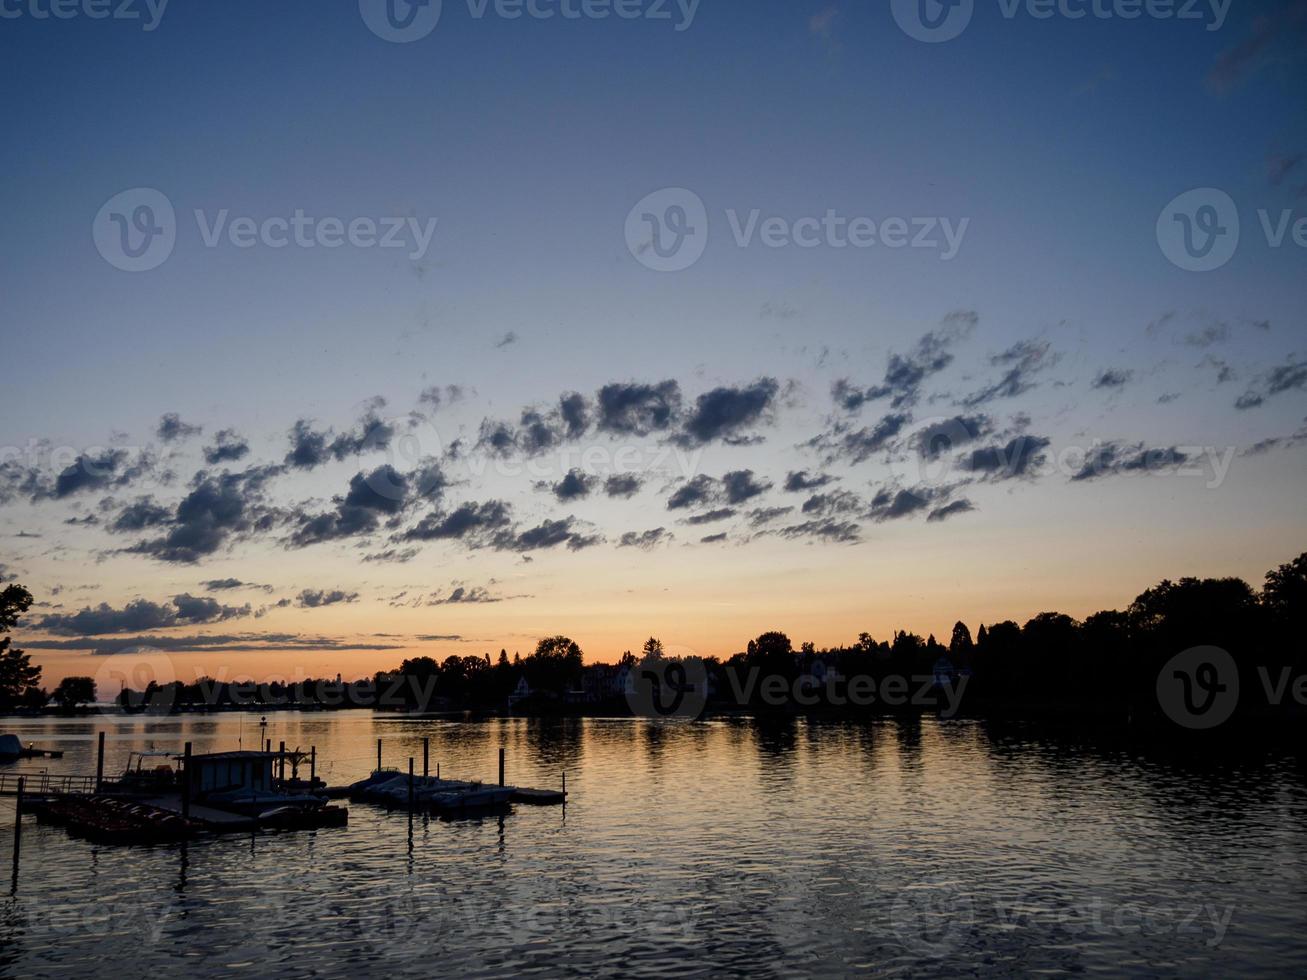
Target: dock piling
(378, 755)
(18, 828)
(313, 765)
(186, 781)
(99, 765)
(501, 767)
(410, 784)
(426, 767)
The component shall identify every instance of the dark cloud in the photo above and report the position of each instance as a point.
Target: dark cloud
(394, 556)
(1022, 361)
(107, 469)
(471, 522)
(1290, 376)
(630, 408)
(1115, 458)
(762, 516)
(497, 438)
(228, 584)
(575, 413)
(142, 614)
(711, 516)
(310, 447)
(623, 485)
(824, 529)
(905, 373)
(573, 486)
(463, 595)
(228, 447)
(506, 340)
(798, 481)
(238, 643)
(835, 502)
(857, 445)
(647, 540)
(172, 428)
(1112, 378)
(701, 489)
(944, 435)
(371, 498)
(890, 504)
(1014, 459)
(741, 485)
(950, 510)
(434, 397)
(548, 534)
(1278, 442)
(217, 509)
(713, 538)
(728, 413)
(317, 598)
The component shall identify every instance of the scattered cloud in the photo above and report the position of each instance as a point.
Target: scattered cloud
(142, 614)
(172, 428)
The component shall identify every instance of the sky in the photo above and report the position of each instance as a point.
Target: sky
(338, 333)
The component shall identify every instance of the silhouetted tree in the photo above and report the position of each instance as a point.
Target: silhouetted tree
(18, 676)
(72, 692)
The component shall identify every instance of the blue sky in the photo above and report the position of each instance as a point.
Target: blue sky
(1058, 142)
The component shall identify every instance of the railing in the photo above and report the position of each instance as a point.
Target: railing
(44, 784)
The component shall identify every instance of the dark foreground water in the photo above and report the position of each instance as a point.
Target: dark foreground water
(722, 847)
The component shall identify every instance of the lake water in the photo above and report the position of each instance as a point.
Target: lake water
(720, 847)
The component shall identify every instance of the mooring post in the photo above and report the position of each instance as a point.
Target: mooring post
(410, 784)
(18, 828)
(186, 781)
(501, 767)
(99, 765)
(313, 765)
(564, 784)
(281, 761)
(426, 766)
(378, 755)
(437, 770)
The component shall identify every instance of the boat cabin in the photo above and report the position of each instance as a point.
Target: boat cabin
(220, 772)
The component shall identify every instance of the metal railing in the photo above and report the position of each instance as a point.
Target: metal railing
(44, 784)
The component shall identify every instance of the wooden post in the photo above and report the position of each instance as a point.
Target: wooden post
(313, 765)
(426, 766)
(378, 755)
(99, 765)
(281, 761)
(18, 828)
(186, 781)
(269, 746)
(437, 770)
(410, 784)
(564, 784)
(501, 767)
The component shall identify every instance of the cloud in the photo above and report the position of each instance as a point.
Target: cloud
(944, 435)
(905, 374)
(464, 595)
(1014, 459)
(228, 584)
(1278, 442)
(497, 438)
(835, 502)
(228, 446)
(701, 489)
(711, 516)
(547, 534)
(762, 516)
(142, 614)
(371, 497)
(1290, 376)
(317, 598)
(471, 522)
(890, 504)
(1115, 458)
(798, 481)
(574, 486)
(713, 538)
(630, 408)
(1112, 378)
(1022, 360)
(741, 485)
(142, 513)
(950, 510)
(507, 340)
(825, 529)
(103, 469)
(646, 540)
(433, 397)
(623, 485)
(575, 413)
(396, 556)
(218, 509)
(172, 428)
(237, 643)
(854, 446)
(727, 413)
(310, 448)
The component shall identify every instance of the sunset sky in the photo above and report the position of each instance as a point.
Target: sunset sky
(261, 458)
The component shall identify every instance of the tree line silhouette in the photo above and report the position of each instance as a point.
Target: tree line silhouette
(1106, 664)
